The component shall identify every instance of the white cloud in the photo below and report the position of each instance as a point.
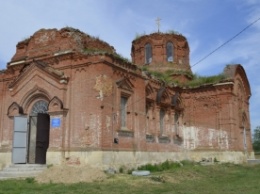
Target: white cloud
(205, 23)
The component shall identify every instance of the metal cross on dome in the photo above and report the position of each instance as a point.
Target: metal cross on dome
(158, 20)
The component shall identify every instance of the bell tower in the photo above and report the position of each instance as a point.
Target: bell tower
(163, 52)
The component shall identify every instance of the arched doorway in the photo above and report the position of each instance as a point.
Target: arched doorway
(39, 130)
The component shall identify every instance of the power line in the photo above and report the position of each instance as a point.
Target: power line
(229, 40)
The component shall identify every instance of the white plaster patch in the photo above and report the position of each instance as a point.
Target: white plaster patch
(223, 140)
(190, 137)
(108, 122)
(104, 86)
(194, 137)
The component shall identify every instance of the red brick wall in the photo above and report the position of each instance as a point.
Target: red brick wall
(158, 42)
(209, 116)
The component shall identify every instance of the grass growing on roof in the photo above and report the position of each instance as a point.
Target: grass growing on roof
(202, 80)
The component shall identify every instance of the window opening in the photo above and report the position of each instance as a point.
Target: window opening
(162, 115)
(176, 123)
(169, 51)
(123, 110)
(148, 53)
(40, 106)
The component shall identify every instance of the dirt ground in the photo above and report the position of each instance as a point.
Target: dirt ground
(70, 174)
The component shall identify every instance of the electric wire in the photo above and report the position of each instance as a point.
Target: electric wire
(229, 40)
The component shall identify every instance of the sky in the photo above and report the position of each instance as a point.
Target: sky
(207, 24)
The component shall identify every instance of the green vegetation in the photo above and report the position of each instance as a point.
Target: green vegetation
(187, 178)
(201, 80)
(121, 57)
(139, 35)
(163, 77)
(102, 52)
(256, 140)
(167, 165)
(173, 32)
(167, 77)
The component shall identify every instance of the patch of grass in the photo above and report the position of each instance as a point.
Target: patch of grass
(102, 52)
(30, 180)
(161, 179)
(257, 155)
(191, 178)
(121, 57)
(173, 32)
(166, 77)
(202, 80)
(167, 165)
(139, 35)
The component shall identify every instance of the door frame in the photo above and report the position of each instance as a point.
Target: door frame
(23, 143)
(20, 140)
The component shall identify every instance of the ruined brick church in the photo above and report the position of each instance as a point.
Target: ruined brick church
(68, 97)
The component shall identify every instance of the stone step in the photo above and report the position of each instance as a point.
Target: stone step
(25, 167)
(28, 165)
(21, 171)
(19, 174)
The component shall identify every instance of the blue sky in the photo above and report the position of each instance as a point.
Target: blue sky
(206, 23)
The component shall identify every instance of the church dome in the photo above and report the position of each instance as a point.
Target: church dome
(161, 52)
(47, 42)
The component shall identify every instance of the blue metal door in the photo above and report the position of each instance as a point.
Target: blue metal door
(20, 135)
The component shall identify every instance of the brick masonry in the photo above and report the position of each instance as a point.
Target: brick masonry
(83, 80)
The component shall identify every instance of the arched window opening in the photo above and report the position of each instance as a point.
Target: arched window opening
(162, 124)
(169, 51)
(148, 53)
(40, 106)
(123, 109)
